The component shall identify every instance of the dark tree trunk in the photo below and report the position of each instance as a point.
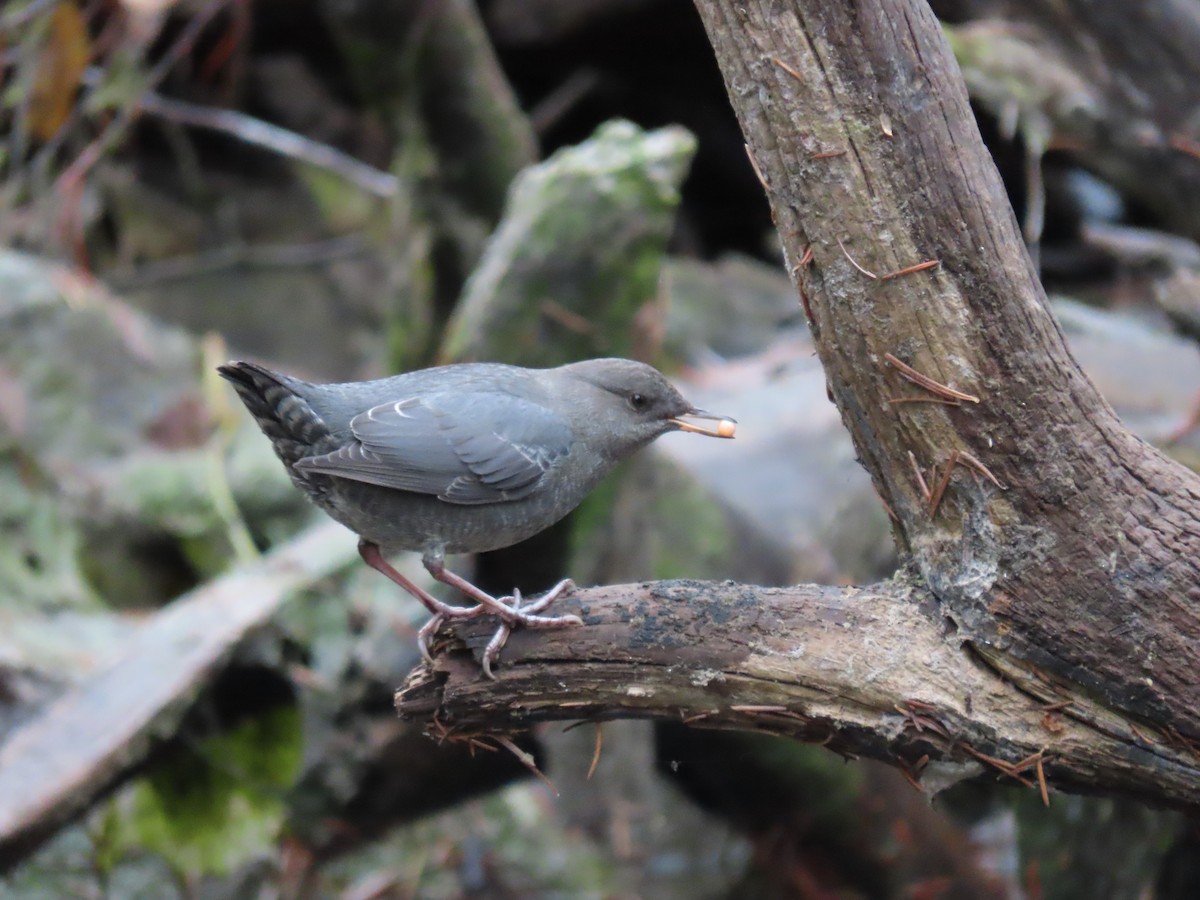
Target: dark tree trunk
(1086, 566)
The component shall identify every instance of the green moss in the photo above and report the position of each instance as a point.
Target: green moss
(577, 253)
(39, 547)
(214, 806)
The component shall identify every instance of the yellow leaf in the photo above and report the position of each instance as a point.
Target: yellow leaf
(59, 69)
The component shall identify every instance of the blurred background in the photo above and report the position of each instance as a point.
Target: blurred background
(344, 189)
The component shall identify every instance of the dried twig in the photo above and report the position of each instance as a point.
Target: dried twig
(940, 400)
(920, 478)
(596, 754)
(1054, 707)
(911, 710)
(936, 500)
(887, 507)
(1141, 737)
(779, 62)
(967, 459)
(912, 779)
(278, 140)
(1041, 775)
(1001, 765)
(119, 123)
(525, 759)
(754, 165)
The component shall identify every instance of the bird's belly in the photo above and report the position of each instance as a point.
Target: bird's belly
(400, 520)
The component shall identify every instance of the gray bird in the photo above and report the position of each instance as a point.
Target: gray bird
(463, 459)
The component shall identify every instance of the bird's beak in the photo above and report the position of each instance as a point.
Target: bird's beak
(724, 428)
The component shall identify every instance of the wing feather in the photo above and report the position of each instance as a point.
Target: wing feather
(466, 448)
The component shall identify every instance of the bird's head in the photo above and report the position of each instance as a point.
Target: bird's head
(629, 404)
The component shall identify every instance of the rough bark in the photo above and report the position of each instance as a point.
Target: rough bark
(862, 670)
(1087, 564)
(1063, 550)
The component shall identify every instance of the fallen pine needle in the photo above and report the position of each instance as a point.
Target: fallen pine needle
(596, 755)
(525, 759)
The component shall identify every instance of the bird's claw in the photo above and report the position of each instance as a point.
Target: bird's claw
(492, 651)
(423, 635)
(444, 611)
(527, 616)
(512, 612)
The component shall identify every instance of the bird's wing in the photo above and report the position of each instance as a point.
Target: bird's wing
(464, 447)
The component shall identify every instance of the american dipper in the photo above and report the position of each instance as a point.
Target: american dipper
(463, 459)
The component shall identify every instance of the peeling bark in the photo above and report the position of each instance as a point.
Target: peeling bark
(862, 670)
(1087, 564)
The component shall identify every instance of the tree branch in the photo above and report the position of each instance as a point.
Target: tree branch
(1087, 566)
(79, 746)
(863, 670)
(1045, 539)
(1121, 83)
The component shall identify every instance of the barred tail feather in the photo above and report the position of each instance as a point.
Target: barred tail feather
(295, 429)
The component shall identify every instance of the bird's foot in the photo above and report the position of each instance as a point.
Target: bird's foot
(441, 613)
(526, 616)
(515, 614)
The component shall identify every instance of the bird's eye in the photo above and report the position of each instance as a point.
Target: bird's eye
(638, 402)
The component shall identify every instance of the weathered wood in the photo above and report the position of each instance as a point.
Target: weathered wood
(863, 670)
(1060, 559)
(1086, 565)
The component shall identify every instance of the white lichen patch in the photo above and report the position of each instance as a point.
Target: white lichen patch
(703, 677)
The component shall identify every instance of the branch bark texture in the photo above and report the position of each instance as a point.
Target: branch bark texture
(861, 670)
(1063, 548)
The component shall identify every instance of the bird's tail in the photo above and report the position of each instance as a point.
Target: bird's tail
(295, 429)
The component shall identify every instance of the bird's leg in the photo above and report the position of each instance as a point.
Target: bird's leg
(563, 587)
(512, 615)
(373, 557)
(492, 651)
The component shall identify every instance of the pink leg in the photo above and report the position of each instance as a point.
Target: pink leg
(373, 557)
(510, 615)
(507, 613)
(492, 651)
